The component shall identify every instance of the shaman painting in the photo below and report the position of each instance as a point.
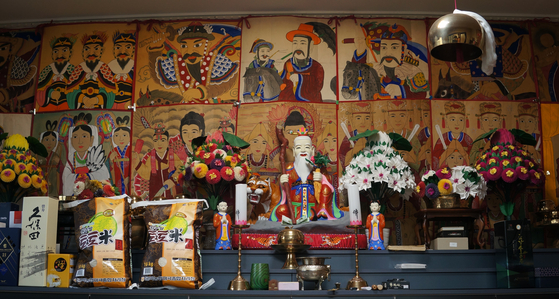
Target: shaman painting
(545, 41)
(88, 144)
(382, 59)
(19, 51)
(188, 62)
(162, 143)
(288, 59)
(512, 77)
(87, 66)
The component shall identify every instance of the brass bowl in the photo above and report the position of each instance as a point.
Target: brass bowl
(291, 236)
(312, 260)
(450, 201)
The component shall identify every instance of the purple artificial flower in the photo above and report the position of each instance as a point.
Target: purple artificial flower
(217, 164)
(187, 176)
(432, 191)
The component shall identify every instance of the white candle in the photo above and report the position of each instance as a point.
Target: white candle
(354, 205)
(241, 204)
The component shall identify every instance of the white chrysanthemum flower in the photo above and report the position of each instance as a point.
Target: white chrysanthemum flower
(380, 158)
(220, 152)
(427, 175)
(79, 186)
(482, 192)
(467, 189)
(381, 175)
(457, 177)
(407, 194)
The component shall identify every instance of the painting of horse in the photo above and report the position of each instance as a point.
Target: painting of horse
(453, 87)
(360, 82)
(262, 84)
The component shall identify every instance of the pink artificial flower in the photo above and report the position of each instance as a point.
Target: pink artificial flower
(443, 173)
(509, 175)
(494, 173)
(522, 173)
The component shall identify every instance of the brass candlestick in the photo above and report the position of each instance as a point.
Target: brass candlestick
(239, 283)
(356, 281)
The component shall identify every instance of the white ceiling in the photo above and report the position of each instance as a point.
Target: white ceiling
(21, 13)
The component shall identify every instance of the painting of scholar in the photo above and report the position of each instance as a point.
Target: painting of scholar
(19, 51)
(511, 79)
(462, 122)
(288, 59)
(86, 66)
(545, 38)
(382, 59)
(81, 145)
(188, 62)
(162, 142)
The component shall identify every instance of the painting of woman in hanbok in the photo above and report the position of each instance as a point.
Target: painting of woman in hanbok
(86, 157)
(119, 156)
(52, 164)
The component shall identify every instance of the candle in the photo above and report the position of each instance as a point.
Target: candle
(354, 205)
(241, 204)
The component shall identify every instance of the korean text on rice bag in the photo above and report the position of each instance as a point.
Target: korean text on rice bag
(103, 235)
(172, 256)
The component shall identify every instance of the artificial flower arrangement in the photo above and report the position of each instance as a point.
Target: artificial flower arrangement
(84, 188)
(462, 180)
(216, 165)
(506, 167)
(378, 169)
(20, 174)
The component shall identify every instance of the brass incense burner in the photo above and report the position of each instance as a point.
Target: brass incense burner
(313, 268)
(290, 241)
(451, 201)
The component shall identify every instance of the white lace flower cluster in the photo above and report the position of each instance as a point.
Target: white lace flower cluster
(378, 164)
(468, 182)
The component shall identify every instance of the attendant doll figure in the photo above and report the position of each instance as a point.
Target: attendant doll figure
(375, 225)
(222, 224)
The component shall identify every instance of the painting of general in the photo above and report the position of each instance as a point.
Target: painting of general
(87, 66)
(18, 69)
(512, 78)
(289, 59)
(162, 142)
(188, 62)
(382, 59)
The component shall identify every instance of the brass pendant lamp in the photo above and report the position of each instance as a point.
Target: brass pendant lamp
(456, 37)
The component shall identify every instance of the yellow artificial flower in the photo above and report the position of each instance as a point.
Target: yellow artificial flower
(445, 186)
(524, 153)
(19, 168)
(537, 175)
(509, 173)
(17, 141)
(37, 181)
(511, 147)
(478, 167)
(7, 175)
(495, 148)
(483, 156)
(232, 162)
(444, 170)
(493, 170)
(44, 187)
(504, 154)
(506, 162)
(24, 180)
(524, 170)
(517, 159)
(200, 170)
(531, 164)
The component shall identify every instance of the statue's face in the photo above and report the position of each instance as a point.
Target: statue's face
(124, 51)
(375, 207)
(192, 50)
(490, 121)
(222, 207)
(303, 149)
(391, 52)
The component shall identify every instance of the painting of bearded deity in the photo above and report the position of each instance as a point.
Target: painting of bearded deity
(87, 66)
(288, 59)
(382, 59)
(188, 62)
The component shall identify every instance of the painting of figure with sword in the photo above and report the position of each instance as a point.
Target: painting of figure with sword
(455, 119)
(527, 121)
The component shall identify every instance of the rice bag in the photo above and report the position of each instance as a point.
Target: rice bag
(103, 235)
(172, 257)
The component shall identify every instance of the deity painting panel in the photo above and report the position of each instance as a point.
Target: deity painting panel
(382, 59)
(288, 59)
(87, 66)
(545, 37)
(188, 62)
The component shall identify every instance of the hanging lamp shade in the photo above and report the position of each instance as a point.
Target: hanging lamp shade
(456, 38)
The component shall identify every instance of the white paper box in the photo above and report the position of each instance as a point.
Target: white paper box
(39, 221)
(451, 243)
